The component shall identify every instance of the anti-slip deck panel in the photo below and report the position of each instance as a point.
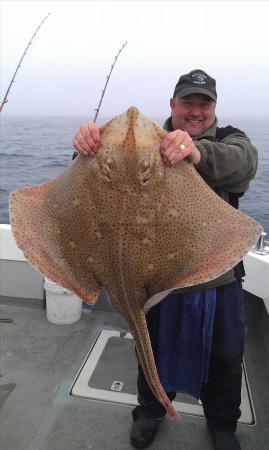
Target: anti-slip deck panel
(109, 374)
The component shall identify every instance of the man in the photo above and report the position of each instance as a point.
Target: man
(227, 161)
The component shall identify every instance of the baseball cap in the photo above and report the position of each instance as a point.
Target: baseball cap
(196, 82)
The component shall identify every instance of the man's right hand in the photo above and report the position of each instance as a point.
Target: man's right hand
(87, 139)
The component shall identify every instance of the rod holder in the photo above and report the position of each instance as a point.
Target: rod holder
(259, 247)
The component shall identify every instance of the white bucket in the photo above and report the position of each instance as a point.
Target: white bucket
(63, 306)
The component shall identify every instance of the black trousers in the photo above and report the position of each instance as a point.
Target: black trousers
(221, 395)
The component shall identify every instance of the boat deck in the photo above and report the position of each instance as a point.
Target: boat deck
(40, 361)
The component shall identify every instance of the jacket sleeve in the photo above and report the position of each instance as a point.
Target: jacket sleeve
(230, 164)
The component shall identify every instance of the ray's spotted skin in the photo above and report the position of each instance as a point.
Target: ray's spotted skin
(125, 220)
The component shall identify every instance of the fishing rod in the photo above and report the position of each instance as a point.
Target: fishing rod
(5, 100)
(107, 80)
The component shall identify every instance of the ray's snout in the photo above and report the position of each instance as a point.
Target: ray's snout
(132, 112)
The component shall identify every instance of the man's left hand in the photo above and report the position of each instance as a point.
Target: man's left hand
(178, 145)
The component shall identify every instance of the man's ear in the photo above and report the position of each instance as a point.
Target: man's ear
(172, 103)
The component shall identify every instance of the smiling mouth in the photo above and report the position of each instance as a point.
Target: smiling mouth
(194, 120)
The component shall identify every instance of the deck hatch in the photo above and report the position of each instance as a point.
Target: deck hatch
(111, 359)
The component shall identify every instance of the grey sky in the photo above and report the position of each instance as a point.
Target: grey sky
(65, 68)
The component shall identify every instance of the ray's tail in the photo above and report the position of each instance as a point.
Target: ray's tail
(146, 358)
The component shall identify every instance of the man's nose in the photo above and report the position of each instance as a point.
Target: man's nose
(196, 110)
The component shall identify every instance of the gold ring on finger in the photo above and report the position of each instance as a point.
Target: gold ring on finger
(182, 146)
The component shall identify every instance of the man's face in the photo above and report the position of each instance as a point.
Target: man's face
(193, 113)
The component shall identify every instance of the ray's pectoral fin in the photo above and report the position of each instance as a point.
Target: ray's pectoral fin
(44, 241)
(207, 236)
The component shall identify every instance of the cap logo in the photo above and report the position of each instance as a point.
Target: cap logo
(199, 78)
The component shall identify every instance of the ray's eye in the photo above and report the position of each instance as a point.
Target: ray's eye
(145, 172)
(107, 168)
(110, 163)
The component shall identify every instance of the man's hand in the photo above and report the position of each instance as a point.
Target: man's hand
(87, 139)
(178, 145)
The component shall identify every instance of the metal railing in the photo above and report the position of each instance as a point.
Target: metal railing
(262, 245)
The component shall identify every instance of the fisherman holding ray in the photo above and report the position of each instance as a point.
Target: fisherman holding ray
(204, 362)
